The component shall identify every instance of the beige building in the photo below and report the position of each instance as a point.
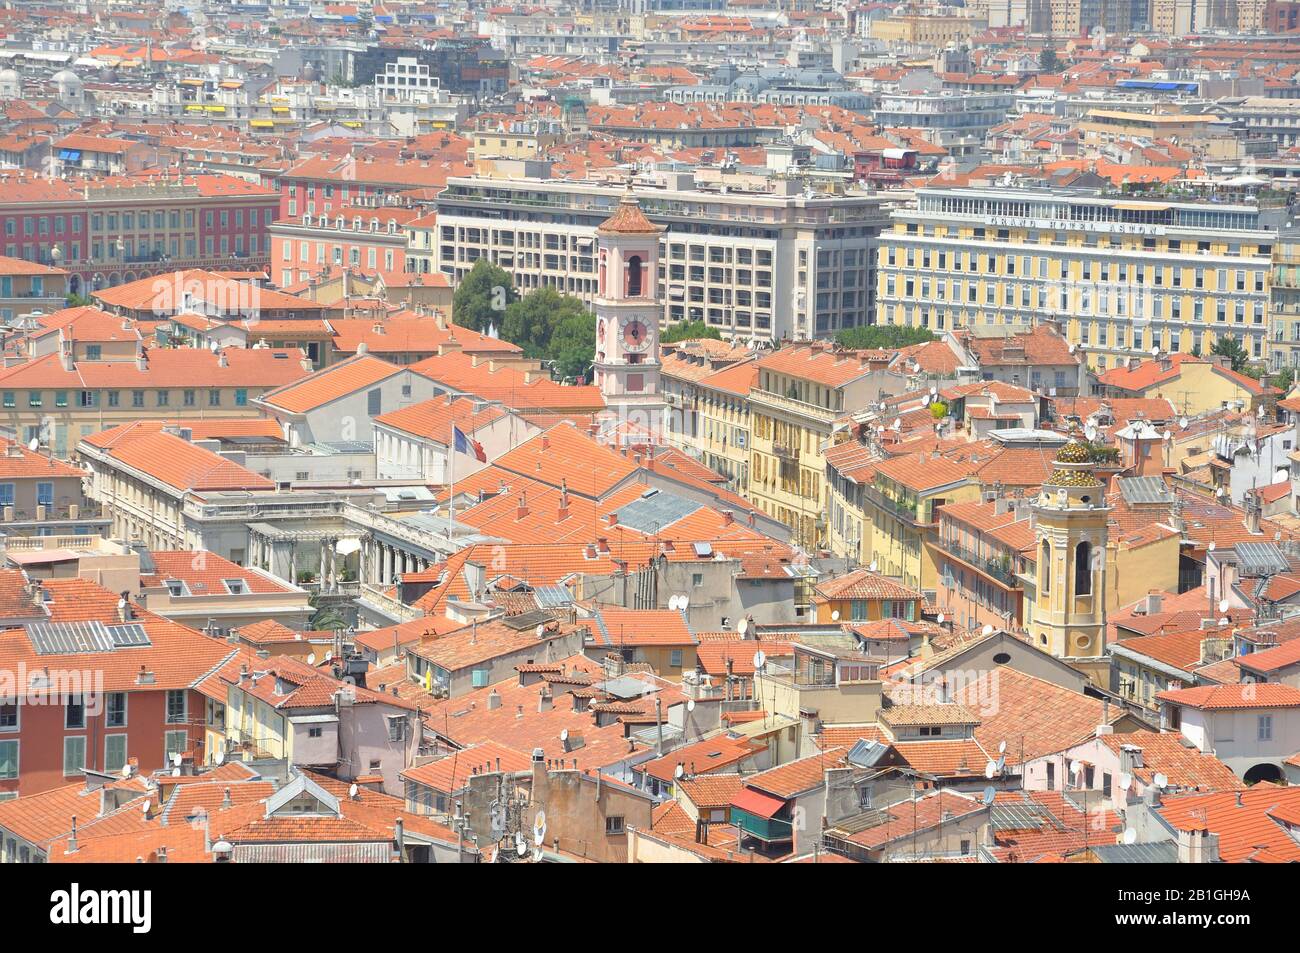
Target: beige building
(939, 28)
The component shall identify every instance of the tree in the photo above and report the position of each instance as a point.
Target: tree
(938, 410)
(532, 320)
(689, 331)
(888, 337)
(483, 296)
(78, 301)
(1229, 347)
(1048, 61)
(1283, 380)
(573, 345)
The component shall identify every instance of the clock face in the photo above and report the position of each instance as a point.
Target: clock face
(635, 335)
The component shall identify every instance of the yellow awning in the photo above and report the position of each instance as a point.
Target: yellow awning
(351, 124)
(191, 82)
(1141, 206)
(194, 108)
(262, 124)
(215, 109)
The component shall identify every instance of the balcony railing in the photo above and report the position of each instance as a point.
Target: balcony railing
(767, 829)
(1002, 569)
(905, 510)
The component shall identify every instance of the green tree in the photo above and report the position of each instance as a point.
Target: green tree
(938, 410)
(883, 336)
(483, 296)
(573, 345)
(1283, 380)
(1048, 61)
(1229, 347)
(78, 301)
(532, 321)
(689, 331)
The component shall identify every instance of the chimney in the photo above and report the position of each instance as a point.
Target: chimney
(522, 510)
(612, 519)
(493, 700)
(544, 701)
(124, 611)
(1155, 600)
(564, 502)
(546, 443)
(222, 360)
(1253, 508)
(399, 836)
(1105, 728)
(226, 802)
(1198, 847)
(727, 517)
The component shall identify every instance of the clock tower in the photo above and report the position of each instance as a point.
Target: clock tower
(627, 318)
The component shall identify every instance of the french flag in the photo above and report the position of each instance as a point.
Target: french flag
(463, 444)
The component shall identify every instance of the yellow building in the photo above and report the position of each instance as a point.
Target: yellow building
(1193, 385)
(927, 29)
(864, 596)
(850, 469)
(1118, 277)
(802, 389)
(902, 507)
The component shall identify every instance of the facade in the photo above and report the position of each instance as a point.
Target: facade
(1118, 277)
(722, 254)
(363, 237)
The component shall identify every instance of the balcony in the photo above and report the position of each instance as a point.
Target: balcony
(781, 402)
(906, 510)
(765, 829)
(58, 512)
(1000, 569)
(786, 452)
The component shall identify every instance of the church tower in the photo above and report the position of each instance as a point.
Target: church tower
(1069, 608)
(627, 318)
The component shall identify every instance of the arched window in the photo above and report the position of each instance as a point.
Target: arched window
(1083, 569)
(634, 276)
(1045, 567)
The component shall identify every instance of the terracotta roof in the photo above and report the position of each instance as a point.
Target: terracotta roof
(1248, 831)
(796, 777)
(1232, 697)
(330, 384)
(864, 584)
(628, 219)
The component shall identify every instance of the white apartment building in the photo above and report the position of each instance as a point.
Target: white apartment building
(753, 264)
(1119, 275)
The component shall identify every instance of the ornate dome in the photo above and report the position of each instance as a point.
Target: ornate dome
(1073, 452)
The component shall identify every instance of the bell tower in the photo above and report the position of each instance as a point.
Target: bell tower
(1069, 607)
(627, 317)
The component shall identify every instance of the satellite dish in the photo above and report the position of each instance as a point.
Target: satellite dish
(564, 734)
(1223, 621)
(1130, 835)
(1161, 780)
(1073, 348)
(835, 615)
(1281, 476)
(126, 770)
(759, 659)
(1155, 352)
(537, 855)
(539, 828)
(220, 756)
(176, 772)
(329, 655)
(521, 848)
(898, 424)
(872, 567)
(1211, 546)
(934, 391)
(353, 790)
(346, 547)
(1076, 768)
(1223, 605)
(690, 704)
(883, 405)
(1182, 422)
(144, 808)
(990, 793)
(990, 770)
(679, 771)
(1125, 779)
(34, 445)
(940, 618)
(540, 630)
(311, 658)
(176, 758)
(1002, 747)
(987, 630)
(743, 625)
(1090, 432)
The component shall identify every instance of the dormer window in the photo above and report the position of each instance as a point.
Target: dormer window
(236, 587)
(176, 588)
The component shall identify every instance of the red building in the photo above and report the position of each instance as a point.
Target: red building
(114, 230)
(372, 239)
(1282, 16)
(93, 685)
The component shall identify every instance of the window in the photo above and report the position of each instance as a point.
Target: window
(74, 712)
(397, 728)
(8, 760)
(1045, 568)
(314, 731)
(1051, 776)
(1265, 727)
(114, 753)
(115, 710)
(1083, 569)
(176, 742)
(675, 660)
(241, 397)
(74, 755)
(175, 706)
(8, 716)
(375, 402)
(614, 825)
(214, 398)
(6, 494)
(44, 494)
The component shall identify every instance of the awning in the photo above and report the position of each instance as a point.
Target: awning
(69, 155)
(262, 124)
(757, 803)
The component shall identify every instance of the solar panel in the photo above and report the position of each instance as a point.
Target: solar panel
(649, 514)
(130, 635)
(69, 638)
